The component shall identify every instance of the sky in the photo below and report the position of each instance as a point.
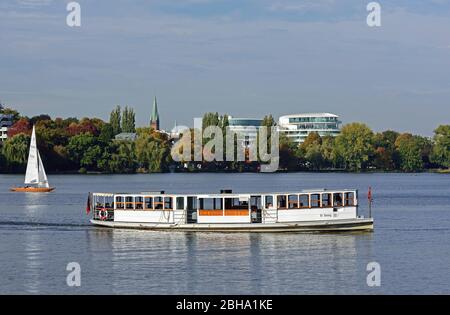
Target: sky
(246, 58)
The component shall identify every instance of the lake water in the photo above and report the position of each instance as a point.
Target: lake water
(41, 233)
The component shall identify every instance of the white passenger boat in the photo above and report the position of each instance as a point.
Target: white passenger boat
(302, 211)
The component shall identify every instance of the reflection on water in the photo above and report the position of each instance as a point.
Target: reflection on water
(33, 262)
(41, 233)
(33, 247)
(209, 263)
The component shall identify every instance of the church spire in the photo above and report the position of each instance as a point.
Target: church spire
(154, 120)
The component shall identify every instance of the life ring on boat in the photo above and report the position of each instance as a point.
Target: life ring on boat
(103, 214)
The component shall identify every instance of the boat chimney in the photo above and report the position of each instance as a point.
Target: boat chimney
(226, 191)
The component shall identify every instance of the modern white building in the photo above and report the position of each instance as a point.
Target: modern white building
(5, 123)
(299, 126)
(3, 134)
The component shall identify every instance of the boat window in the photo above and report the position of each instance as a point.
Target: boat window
(350, 199)
(337, 200)
(255, 202)
(315, 200)
(304, 201)
(235, 203)
(139, 201)
(109, 203)
(269, 202)
(129, 202)
(148, 203)
(281, 201)
(210, 203)
(191, 203)
(293, 201)
(326, 200)
(158, 201)
(180, 203)
(119, 203)
(210, 206)
(168, 203)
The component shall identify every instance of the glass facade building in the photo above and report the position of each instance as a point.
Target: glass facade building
(246, 128)
(5, 124)
(299, 126)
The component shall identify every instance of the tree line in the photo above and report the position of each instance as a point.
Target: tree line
(86, 145)
(89, 145)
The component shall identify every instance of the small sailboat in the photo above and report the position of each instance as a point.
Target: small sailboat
(35, 177)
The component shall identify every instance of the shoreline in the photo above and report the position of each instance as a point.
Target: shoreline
(430, 171)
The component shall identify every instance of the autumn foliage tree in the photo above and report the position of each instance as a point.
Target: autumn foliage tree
(21, 126)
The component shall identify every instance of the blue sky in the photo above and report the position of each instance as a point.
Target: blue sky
(241, 57)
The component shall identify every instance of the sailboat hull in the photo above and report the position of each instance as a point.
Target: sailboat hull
(32, 189)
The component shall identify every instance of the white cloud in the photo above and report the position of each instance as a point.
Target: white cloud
(304, 6)
(34, 3)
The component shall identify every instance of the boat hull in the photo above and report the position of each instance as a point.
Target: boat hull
(32, 189)
(364, 225)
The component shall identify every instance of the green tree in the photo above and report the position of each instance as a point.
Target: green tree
(106, 133)
(115, 120)
(355, 146)
(410, 149)
(386, 157)
(224, 123)
(210, 119)
(128, 120)
(221, 121)
(152, 153)
(312, 138)
(123, 160)
(91, 157)
(143, 130)
(311, 149)
(314, 156)
(15, 151)
(42, 117)
(268, 121)
(66, 122)
(59, 159)
(2, 161)
(77, 147)
(104, 163)
(441, 148)
(49, 135)
(330, 158)
(288, 153)
(9, 111)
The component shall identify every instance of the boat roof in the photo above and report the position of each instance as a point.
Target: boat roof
(314, 115)
(225, 194)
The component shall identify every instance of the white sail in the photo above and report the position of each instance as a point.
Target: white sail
(43, 181)
(35, 169)
(32, 174)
